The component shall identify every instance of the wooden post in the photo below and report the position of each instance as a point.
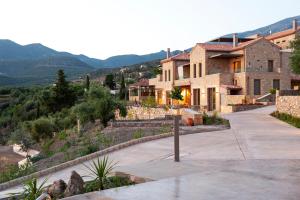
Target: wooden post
(78, 126)
(176, 138)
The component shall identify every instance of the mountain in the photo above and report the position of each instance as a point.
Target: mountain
(273, 28)
(38, 63)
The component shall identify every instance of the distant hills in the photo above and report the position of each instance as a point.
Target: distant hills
(272, 28)
(37, 64)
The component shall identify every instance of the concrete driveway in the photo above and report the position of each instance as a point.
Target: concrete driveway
(258, 158)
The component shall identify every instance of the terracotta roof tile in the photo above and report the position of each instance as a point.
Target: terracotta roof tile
(216, 47)
(229, 47)
(182, 56)
(281, 34)
(141, 82)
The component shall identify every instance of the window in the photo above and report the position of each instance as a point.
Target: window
(165, 75)
(195, 68)
(200, 69)
(270, 65)
(196, 96)
(237, 66)
(169, 73)
(276, 84)
(256, 86)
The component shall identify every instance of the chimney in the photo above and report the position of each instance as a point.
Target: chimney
(168, 53)
(295, 24)
(235, 40)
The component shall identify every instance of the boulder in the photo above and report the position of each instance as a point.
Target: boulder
(57, 189)
(75, 185)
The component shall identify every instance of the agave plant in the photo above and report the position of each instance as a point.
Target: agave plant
(100, 169)
(31, 190)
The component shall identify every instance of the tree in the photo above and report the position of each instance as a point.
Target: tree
(110, 81)
(176, 94)
(84, 112)
(87, 82)
(122, 88)
(64, 96)
(295, 58)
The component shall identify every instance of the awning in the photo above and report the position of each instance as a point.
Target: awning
(226, 55)
(231, 87)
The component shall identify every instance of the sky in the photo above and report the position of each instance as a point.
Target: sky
(104, 28)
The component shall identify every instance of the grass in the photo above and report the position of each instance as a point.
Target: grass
(294, 121)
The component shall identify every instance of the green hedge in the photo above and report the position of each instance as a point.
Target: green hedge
(295, 121)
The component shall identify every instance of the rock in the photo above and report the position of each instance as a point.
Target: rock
(57, 189)
(75, 185)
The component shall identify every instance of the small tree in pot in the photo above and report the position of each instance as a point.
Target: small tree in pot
(176, 95)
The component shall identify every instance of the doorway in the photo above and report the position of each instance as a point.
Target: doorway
(211, 99)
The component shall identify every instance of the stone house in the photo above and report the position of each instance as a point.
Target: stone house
(227, 71)
(140, 90)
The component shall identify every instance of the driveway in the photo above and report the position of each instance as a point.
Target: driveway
(258, 158)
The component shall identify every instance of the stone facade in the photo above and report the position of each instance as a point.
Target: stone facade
(289, 105)
(233, 73)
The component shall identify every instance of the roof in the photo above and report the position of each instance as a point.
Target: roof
(282, 34)
(142, 82)
(216, 47)
(229, 47)
(183, 56)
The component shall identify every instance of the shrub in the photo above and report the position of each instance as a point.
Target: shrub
(42, 128)
(91, 148)
(13, 172)
(294, 121)
(31, 190)
(138, 134)
(62, 135)
(100, 169)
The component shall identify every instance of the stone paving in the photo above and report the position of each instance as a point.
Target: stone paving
(258, 158)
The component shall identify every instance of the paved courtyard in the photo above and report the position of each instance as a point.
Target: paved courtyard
(258, 158)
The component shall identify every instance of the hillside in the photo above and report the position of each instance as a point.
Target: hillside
(40, 71)
(273, 28)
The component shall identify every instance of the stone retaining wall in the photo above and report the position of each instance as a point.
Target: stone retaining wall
(80, 160)
(141, 123)
(141, 113)
(289, 105)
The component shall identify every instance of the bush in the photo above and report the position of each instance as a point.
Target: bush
(110, 182)
(91, 148)
(42, 128)
(214, 120)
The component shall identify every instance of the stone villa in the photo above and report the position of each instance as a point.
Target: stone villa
(227, 71)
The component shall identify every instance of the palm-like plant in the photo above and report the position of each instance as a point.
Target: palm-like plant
(31, 190)
(100, 169)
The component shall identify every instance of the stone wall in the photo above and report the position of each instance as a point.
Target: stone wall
(233, 99)
(141, 113)
(289, 105)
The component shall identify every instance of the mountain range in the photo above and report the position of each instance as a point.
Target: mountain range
(36, 63)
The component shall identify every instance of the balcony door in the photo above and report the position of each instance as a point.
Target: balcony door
(196, 97)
